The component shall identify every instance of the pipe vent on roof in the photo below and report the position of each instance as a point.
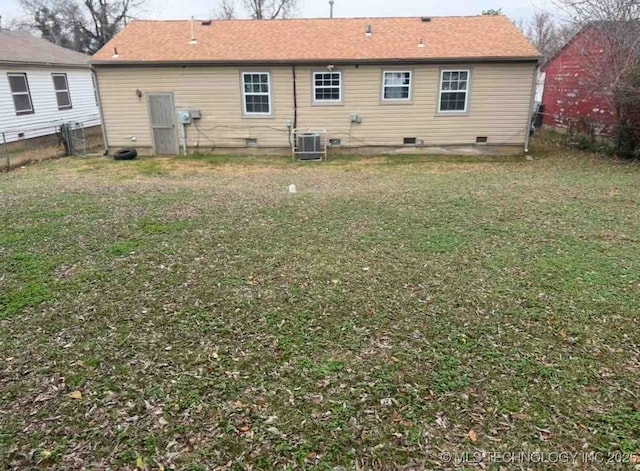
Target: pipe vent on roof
(368, 30)
(193, 40)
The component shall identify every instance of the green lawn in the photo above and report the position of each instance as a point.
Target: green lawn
(191, 313)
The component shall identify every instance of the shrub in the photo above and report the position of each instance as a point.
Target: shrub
(627, 142)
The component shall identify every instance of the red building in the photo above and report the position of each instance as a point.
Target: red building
(571, 91)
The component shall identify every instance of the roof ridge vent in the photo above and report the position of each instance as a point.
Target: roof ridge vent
(425, 19)
(206, 23)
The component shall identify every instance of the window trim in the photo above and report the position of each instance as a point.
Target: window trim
(245, 113)
(313, 88)
(383, 86)
(467, 93)
(28, 93)
(66, 90)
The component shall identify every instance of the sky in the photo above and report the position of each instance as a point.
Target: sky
(183, 9)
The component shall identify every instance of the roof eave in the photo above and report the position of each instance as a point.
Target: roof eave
(12, 63)
(437, 60)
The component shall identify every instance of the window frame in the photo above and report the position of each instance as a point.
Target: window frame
(467, 92)
(253, 114)
(66, 90)
(314, 87)
(27, 92)
(384, 86)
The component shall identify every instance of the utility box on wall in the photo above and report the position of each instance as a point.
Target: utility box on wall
(184, 117)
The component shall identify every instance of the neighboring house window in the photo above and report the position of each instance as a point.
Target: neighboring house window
(21, 94)
(62, 91)
(257, 93)
(396, 86)
(327, 87)
(454, 91)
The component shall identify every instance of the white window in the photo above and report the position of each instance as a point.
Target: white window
(396, 86)
(454, 91)
(327, 87)
(62, 91)
(21, 94)
(256, 93)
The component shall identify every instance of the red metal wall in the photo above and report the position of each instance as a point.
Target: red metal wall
(569, 91)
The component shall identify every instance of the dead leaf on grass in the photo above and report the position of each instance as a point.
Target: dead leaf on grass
(316, 398)
(75, 395)
(395, 417)
(473, 436)
(271, 420)
(442, 420)
(275, 431)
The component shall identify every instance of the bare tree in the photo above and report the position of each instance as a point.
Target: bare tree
(588, 11)
(105, 19)
(270, 9)
(614, 48)
(258, 9)
(226, 11)
(83, 25)
(545, 34)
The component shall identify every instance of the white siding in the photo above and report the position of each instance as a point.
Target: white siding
(46, 116)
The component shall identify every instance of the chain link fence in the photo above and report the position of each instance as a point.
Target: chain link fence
(20, 147)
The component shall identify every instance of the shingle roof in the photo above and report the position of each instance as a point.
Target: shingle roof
(293, 40)
(22, 48)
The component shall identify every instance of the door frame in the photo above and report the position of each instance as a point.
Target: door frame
(174, 121)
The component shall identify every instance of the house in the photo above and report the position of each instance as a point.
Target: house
(457, 84)
(42, 86)
(573, 94)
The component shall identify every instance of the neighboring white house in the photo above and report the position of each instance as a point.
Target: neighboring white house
(42, 86)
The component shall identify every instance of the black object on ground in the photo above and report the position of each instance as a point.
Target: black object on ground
(125, 154)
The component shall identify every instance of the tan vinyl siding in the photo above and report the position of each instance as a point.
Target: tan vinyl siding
(499, 105)
(214, 91)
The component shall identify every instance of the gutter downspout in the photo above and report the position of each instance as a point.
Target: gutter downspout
(295, 109)
(534, 87)
(105, 140)
(295, 97)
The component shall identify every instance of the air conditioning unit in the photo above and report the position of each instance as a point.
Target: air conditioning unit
(310, 145)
